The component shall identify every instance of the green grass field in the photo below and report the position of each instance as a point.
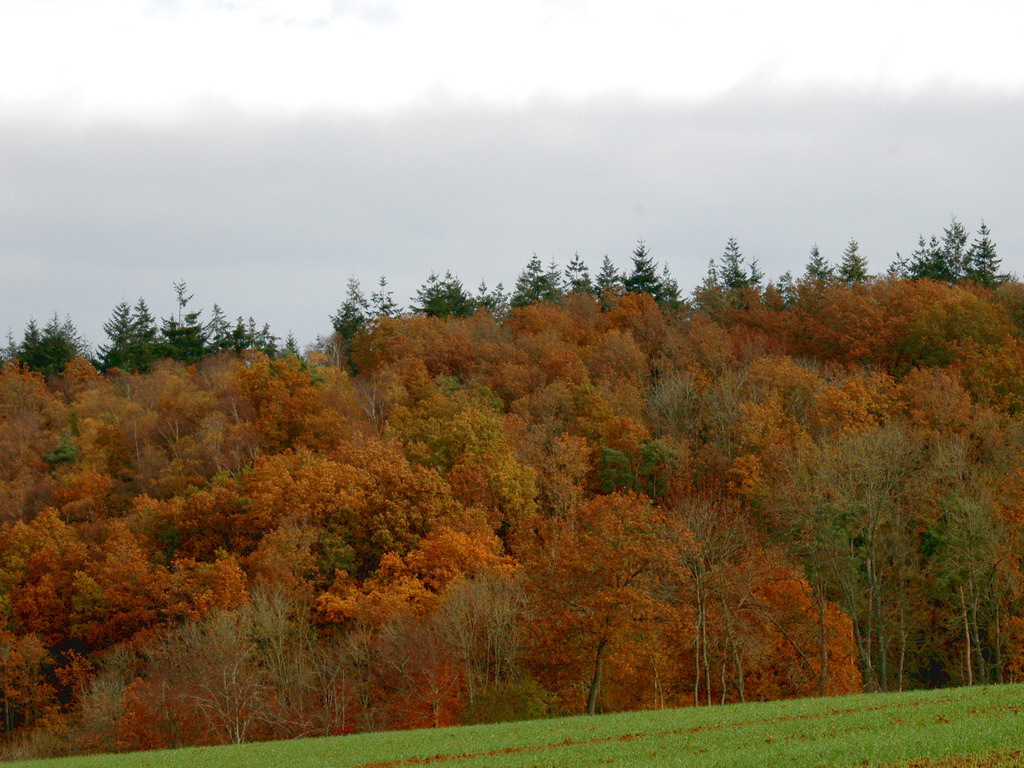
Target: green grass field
(952, 727)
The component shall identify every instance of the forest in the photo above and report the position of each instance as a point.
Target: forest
(591, 494)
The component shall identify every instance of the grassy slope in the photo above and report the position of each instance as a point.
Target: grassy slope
(852, 730)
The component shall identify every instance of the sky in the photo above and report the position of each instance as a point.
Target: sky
(266, 151)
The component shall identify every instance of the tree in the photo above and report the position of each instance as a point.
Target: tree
(218, 331)
(982, 263)
(818, 269)
(352, 314)
(443, 297)
(945, 260)
(119, 330)
(853, 268)
(50, 350)
(183, 337)
(577, 276)
(494, 301)
(608, 283)
(382, 303)
(593, 577)
(535, 284)
(643, 278)
(144, 348)
(732, 272)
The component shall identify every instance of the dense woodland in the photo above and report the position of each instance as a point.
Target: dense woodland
(590, 494)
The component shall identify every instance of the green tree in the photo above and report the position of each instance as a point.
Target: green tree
(218, 331)
(119, 330)
(733, 272)
(443, 297)
(608, 282)
(494, 301)
(144, 348)
(382, 302)
(982, 263)
(535, 284)
(643, 277)
(577, 276)
(183, 337)
(353, 313)
(51, 349)
(818, 269)
(853, 268)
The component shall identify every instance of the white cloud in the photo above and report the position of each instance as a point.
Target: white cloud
(123, 55)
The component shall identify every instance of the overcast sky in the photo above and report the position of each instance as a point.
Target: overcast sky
(267, 150)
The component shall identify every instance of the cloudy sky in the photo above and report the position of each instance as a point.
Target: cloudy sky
(267, 150)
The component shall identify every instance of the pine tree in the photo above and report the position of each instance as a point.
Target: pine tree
(945, 260)
(50, 350)
(353, 312)
(608, 283)
(552, 289)
(183, 337)
(643, 278)
(900, 268)
(853, 268)
(710, 295)
(732, 272)
(495, 302)
(535, 284)
(145, 345)
(577, 276)
(382, 302)
(218, 331)
(119, 330)
(668, 289)
(818, 269)
(443, 297)
(982, 263)
(291, 347)
(954, 250)
(10, 351)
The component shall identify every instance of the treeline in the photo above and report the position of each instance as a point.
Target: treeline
(135, 340)
(594, 500)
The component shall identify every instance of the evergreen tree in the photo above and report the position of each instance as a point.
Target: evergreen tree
(183, 337)
(785, 287)
(900, 268)
(668, 289)
(144, 348)
(10, 352)
(382, 302)
(710, 295)
(554, 290)
(946, 260)
(353, 312)
(443, 297)
(732, 272)
(954, 250)
(218, 331)
(495, 302)
(120, 333)
(577, 276)
(818, 269)
(982, 263)
(608, 283)
(853, 268)
(535, 284)
(51, 349)
(643, 278)
(291, 347)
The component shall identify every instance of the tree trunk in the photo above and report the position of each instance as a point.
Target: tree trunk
(595, 683)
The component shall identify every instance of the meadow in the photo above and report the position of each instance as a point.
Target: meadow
(980, 726)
